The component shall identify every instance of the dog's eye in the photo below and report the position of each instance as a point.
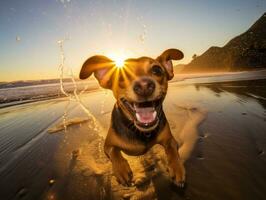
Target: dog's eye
(157, 70)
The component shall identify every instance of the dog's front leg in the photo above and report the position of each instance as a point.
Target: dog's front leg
(176, 167)
(120, 165)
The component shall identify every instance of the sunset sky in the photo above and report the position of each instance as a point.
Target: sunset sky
(30, 29)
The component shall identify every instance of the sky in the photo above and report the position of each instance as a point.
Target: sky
(30, 30)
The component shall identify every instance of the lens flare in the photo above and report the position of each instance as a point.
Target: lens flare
(119, 59)
(119, 62)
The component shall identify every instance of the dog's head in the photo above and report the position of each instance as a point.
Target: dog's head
(139, 87)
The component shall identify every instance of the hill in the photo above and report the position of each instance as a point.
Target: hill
(244, 52)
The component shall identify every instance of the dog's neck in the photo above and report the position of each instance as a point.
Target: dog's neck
(126, 128)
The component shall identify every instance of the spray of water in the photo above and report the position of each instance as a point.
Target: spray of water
(65, 116)
(103, 102)
(94, 124)
(61, 67)
(143, 35)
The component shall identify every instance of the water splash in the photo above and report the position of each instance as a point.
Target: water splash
(65, 116)
(103, 101)
(94, 124)
(61, 67)
(143, 35)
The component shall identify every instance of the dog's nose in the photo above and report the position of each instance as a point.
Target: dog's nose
(144, 87)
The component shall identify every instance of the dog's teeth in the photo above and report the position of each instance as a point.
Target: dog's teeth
(154, 114)
(138, 116)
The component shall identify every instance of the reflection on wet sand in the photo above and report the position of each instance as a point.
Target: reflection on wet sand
(253, 89)
(224, 157)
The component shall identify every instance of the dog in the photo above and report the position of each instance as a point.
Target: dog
(138, 121)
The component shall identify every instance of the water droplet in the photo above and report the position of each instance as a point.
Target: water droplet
(51, 197)
(22, 192)
(260, 152)
(13, 9)
(142, 38)
(200, 157)
(60, 41)
(18, 39)
(51, 182)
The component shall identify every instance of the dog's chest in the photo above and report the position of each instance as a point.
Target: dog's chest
(134, 149)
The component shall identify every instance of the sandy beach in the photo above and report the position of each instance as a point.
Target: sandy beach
(196, 68)
(221, 128)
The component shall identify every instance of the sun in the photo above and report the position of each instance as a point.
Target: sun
(118, 58)
(119, 62)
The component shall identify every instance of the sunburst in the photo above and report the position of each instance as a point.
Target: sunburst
(118, 58)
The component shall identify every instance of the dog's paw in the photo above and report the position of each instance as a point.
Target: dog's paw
(177, 173)
(122, 172)
(140, 180)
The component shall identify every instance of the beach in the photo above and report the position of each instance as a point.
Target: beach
(51, 149)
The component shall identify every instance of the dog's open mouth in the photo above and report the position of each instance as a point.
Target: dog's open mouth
(146, 114)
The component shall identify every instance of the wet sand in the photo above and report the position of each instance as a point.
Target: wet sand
(224, 156)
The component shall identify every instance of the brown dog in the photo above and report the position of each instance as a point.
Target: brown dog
(138, 120)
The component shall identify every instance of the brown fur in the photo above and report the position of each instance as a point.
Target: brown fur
(124, 135)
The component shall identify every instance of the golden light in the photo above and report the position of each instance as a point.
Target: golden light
(119, 62)
(118, 58)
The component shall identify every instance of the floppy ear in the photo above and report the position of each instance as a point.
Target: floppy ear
(166, 60)
(100, 66)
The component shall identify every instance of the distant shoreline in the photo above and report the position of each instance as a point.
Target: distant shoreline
(41, 92)
(27, 83)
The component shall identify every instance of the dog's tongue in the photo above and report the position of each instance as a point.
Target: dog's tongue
(145, 115)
